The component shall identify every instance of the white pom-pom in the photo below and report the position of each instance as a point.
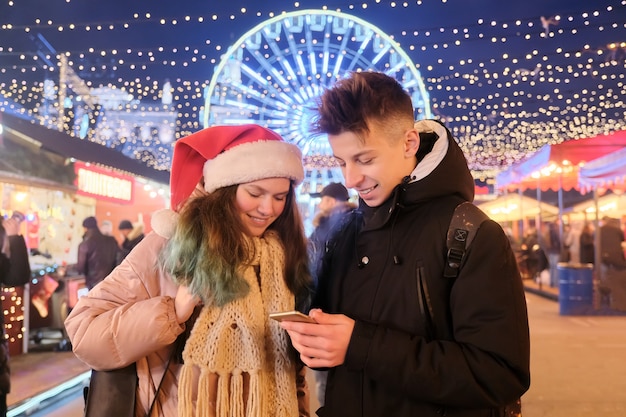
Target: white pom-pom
(164, 222)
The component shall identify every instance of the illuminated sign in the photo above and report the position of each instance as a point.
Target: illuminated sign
(103, 184)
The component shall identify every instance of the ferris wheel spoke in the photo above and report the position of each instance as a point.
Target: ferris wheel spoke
(270, 38)
(300, 62)
(393, 70)
(256, 109)
(360, 51)
(263, 101)
(316, 23)
(294, 77)
(310, 54)
(270, 69)
(341, 49)
(254, 75)
(247, 91)
(338, 65)
(293, 49)
(382, 53)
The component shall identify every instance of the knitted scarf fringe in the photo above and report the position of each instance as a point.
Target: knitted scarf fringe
(230, 394)
(185, 391)
(254, 401)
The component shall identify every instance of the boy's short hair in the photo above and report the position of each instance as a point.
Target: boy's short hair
(360, 99)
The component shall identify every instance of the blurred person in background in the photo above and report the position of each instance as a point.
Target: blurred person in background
(587, 244)
(332, 209)
(106, 228)
(133, 234)
(613, 264)
(98, 254)
(534, 257)
(572, 241)
(553, 245)
(14, 271)
(334, 204)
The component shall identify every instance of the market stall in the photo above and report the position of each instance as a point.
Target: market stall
(557, 166)
(57, 181)
(610, 204)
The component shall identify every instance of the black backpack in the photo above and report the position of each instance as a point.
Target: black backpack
(464, 225)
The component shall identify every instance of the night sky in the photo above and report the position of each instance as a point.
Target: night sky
(505, 83)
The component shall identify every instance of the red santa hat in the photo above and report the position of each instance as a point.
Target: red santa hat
(228, 155)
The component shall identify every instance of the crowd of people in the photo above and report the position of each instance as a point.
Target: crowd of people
(539, 254)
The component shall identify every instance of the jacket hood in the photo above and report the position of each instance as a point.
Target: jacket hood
(441, 171)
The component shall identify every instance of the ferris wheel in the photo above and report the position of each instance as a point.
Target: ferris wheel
(273, 74)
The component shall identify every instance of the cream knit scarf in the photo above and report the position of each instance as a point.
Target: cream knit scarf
(236, 360)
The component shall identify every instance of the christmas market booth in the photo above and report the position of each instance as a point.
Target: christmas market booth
(57, 180)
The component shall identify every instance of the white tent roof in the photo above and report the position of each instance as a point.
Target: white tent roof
(612, 205)
(512, 207)
(606, 171)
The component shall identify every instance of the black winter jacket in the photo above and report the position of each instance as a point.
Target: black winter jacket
(469, 355)
(97, 256)
(611, 238)
(317, 240)
(13, 270)
(16, 270)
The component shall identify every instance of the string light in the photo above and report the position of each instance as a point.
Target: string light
(13, 313)
(505, 85)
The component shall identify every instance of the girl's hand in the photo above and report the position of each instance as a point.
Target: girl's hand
(184, 303)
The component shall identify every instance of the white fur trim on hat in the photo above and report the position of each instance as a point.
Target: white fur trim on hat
(253, 161)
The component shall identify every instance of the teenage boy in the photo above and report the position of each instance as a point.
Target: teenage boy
(399, 337)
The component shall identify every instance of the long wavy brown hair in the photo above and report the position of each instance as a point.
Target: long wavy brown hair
(209, 245)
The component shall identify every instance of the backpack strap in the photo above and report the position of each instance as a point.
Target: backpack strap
(465, 222)
(464, 225)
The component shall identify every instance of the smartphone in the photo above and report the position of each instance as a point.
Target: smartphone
(291, 316)
(18, 216)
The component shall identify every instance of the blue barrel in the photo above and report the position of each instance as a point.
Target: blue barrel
(575, 289)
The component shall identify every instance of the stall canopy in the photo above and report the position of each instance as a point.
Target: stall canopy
(612, 205)
(607, 172)
(557, 166)
(513, 207)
